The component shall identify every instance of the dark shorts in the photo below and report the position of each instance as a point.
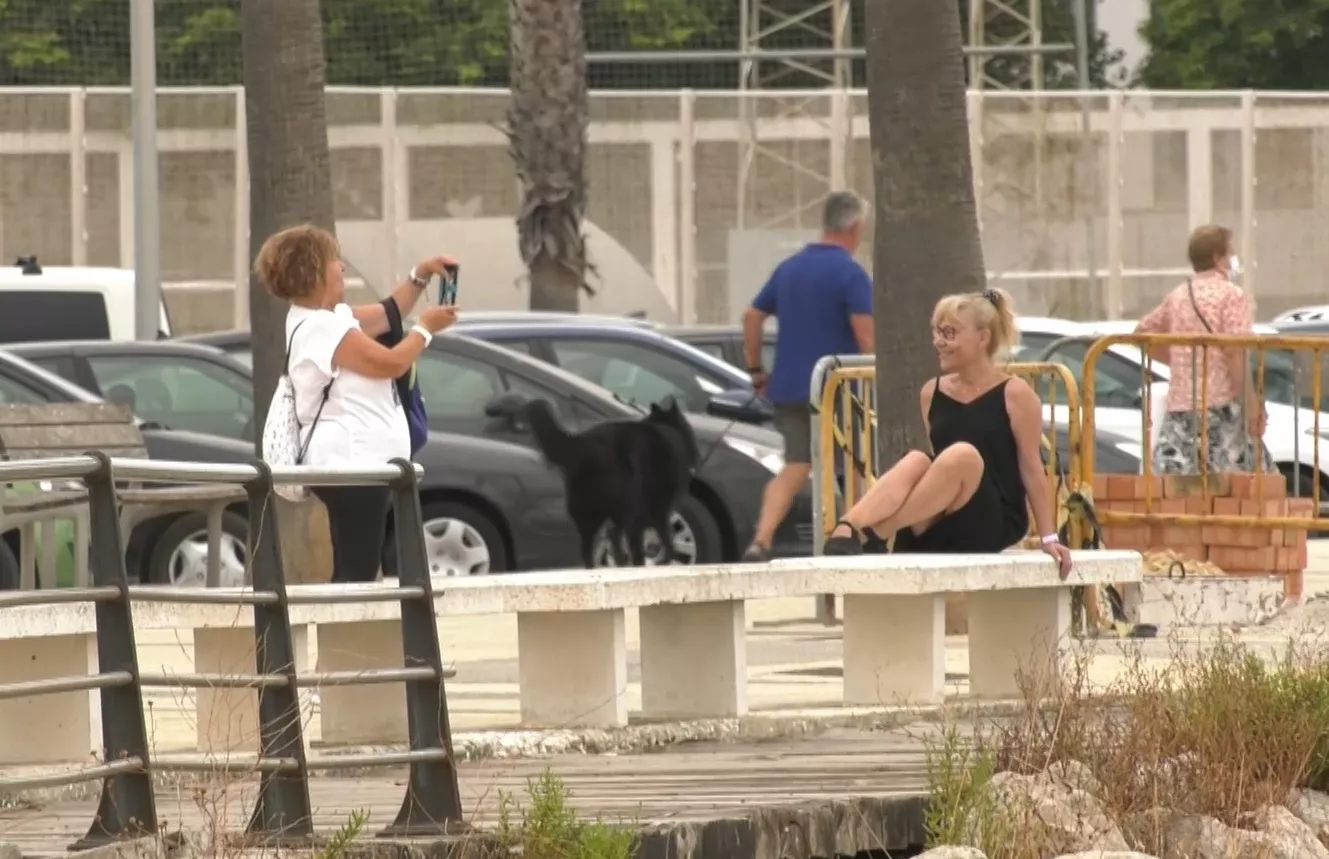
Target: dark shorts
(793, 421)
(982, 525)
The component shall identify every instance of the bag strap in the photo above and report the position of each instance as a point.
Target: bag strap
(289, 344)
(1195, 305)
(304, 448)
(323, 401)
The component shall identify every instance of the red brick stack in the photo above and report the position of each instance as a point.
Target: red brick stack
(1237, 550)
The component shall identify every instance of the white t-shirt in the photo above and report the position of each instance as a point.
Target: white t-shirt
(362, 422)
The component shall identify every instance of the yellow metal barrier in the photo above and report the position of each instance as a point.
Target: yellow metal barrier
(1181, 505)
(848, 420)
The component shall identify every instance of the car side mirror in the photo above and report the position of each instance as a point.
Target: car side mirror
(741, 406)
(506, 408)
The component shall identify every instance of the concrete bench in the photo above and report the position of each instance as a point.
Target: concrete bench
(572, 648)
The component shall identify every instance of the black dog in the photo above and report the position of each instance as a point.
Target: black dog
(629, 474)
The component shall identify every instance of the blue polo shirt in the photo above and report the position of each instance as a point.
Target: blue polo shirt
(812, 294)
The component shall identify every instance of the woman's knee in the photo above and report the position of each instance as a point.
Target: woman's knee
(963, 457)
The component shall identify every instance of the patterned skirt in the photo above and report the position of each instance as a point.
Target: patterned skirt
(1177, 450)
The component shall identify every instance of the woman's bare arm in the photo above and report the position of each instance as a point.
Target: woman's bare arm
(1026, 414)
(373, 318)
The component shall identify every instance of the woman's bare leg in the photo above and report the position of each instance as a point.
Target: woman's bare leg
(946, 487)
(887, 495)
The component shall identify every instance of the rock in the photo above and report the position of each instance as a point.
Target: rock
(1077, 775)
(1277, 834)
(1290, 836)
(1056, 817)
(953, 853)
(1312, 808)
(1108, 854)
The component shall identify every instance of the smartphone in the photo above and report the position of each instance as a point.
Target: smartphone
(447, 285)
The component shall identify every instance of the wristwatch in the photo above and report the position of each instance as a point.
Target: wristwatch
(417, 280)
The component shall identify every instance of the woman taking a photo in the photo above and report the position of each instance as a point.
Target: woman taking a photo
(1208, 303)
(346, 401)
(973, 493)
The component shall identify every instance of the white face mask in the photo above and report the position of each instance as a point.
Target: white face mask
(1233, 267)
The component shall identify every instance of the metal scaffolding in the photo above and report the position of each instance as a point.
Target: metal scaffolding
(760, 23)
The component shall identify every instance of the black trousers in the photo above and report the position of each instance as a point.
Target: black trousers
(358, 520)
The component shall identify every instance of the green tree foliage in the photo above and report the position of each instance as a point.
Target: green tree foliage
(430, 43)
(1235, 44)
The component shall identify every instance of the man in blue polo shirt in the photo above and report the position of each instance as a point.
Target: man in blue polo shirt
(822, 298)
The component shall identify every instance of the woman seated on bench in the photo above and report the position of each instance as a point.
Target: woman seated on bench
(986, 429)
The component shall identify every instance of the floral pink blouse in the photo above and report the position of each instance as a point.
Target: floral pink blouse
(1228, 310)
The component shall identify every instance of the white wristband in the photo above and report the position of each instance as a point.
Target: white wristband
(1049, 539)
(420, 282)
(423, 332)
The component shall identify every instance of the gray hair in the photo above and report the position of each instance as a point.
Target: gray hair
(843, 210)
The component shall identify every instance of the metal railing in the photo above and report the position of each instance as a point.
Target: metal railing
(127, 807)
(1216, 499)
(844, 425)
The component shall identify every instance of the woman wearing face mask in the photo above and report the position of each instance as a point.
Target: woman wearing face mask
(1208, 303)
(973, 493)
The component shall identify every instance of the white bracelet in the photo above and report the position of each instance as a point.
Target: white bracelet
(1049, 539)
(416, 279)
(423, 332)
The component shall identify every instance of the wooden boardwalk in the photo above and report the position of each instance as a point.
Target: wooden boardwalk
(693, 787)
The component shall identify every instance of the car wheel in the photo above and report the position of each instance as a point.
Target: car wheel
(1306, 487)
(180, 555)
(696, 537)
(459, 541)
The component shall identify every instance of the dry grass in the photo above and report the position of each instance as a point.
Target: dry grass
(1219, 732)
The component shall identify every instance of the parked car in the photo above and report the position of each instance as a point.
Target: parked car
(724, 342)
(157, 545)
(63, 302)
(459, 376)
(489, 505)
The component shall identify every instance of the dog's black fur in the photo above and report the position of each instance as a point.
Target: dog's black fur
(629, 474)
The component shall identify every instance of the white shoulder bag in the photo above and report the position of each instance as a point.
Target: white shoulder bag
(282, 444)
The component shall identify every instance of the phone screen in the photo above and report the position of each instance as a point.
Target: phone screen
(447, 286)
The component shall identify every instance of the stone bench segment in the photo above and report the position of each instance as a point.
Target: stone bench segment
(572, 645)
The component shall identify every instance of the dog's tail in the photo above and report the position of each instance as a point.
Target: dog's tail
(555, 443)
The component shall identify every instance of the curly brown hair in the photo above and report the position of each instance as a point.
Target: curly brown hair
(293, 263)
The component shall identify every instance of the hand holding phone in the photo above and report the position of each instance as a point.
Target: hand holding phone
(447, 286)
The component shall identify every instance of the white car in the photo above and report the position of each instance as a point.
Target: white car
(1289, 432)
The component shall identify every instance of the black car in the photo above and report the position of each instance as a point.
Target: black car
(627, 357)
(489, 506)
(460, 377)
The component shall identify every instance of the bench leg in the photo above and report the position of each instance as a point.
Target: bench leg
(373, 714)
(572, 668)
(228, 718)
(44, 729)
(694, 660)
(894, 649)
(1012, 632)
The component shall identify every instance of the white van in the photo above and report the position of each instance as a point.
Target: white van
(67, 303)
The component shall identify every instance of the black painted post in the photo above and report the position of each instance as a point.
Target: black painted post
(433, 799)
(127, 808)
(283, 811)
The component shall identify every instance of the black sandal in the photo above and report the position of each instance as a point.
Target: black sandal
(850, 545)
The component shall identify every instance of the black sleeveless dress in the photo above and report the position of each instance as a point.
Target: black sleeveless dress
(997, 516)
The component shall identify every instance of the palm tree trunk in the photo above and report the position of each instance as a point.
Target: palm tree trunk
(926, 240)
(290, 180)
(547, 123)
